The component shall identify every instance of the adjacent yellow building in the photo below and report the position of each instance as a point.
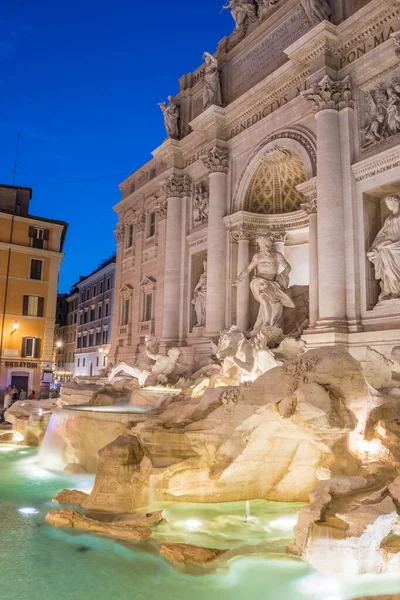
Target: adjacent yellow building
(30, 260)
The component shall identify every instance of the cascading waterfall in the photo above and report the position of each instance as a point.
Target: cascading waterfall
(52, 453)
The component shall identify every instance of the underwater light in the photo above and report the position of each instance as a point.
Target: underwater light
(284, 522)
(28, 510)
(193, 523)
(18, 437)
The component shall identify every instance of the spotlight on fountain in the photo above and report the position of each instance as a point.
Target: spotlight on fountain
(28, 511)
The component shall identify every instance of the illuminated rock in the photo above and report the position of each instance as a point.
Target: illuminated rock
(184, 553)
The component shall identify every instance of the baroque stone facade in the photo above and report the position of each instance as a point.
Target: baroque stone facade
(290, 131)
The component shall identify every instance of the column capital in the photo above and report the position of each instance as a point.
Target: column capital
(330, 95)
(120, 233)
(279, 236)
(177, 186)
(216, 160)
(240, 234)
(310, 207)
(161, 210)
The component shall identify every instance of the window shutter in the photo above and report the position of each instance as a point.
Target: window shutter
(40, 307)
(46, 233)
(32, 231)
(37, 347)
(23, 347)
(25, 305)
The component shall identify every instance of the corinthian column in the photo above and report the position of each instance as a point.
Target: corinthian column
(328, 98)
(243, 287)
(310, 208)
(216, 163)
(175, 188)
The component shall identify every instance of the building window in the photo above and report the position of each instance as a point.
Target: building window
(101, 287)
(100, 311)
(33, 306)
(151, 224)
(92, 314)
(38, 237)
(83, 362)
(94, 290)
(90, 340)
(79, 362)
(36, 269)
(86, 315)
(148, 307)
(79, 344)
(108, 283)
(82, 297)
(104, 360)
(107, 309)
(87, 294)
(84, 341)
(97, 361)
(126, 305)
(98, 338)
(31, 347)
(75, 317)
(105, 336)
(129, 237)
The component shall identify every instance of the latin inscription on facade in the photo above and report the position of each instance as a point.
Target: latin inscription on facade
(240, 74)
(365, 47)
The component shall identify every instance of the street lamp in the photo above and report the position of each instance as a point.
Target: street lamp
(59, 344)
(15, 327)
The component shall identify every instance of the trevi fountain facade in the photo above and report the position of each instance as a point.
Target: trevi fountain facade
(249, 416)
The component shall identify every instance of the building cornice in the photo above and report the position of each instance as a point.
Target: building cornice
(377, 164)
(31, 251)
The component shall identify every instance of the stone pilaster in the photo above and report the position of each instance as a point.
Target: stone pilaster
(310, 207)
(216, 163)
(175, 187)
(328, 97)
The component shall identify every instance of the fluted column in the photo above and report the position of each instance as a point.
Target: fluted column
(328, 98)
(216, 163)
(310, 208)
(243, 287)
(176, 188)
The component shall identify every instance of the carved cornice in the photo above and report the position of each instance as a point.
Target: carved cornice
(216, 160)
(322, 40)
(375, 165)
(330, 94)
(177, 186)
(309, 190)
(255, 224)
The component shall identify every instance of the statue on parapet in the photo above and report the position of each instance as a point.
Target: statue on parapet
(269, 285)
(212, 83)
(242, 10)
(316, 10)
(171, 117)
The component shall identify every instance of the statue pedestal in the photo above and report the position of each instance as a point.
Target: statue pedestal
(387, 307)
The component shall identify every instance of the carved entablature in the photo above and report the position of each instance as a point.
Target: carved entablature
(216, 160)
(177, 186)
(330, 94)
(251, 225)
(379, 112)
(376, 165)
(200, 204)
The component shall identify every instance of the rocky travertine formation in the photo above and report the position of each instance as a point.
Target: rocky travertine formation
(273, 439)
(187, 553)
(66, 517)
(30, 418)
(350, 526)
(70, 497)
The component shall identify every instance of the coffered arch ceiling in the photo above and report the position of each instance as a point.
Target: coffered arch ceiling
(272, 188)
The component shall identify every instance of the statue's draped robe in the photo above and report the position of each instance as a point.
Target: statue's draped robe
(212, 86)
(387, 258)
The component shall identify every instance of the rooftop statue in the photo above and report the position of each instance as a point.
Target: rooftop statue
(212, 84)
(171, 117)
(316, 10)
(385, 252)
(269, 284)
(242, 10)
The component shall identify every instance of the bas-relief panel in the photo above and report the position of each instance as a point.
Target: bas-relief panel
(379, 112)
(263, 58)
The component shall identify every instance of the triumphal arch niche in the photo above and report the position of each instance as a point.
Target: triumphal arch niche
(274, 198)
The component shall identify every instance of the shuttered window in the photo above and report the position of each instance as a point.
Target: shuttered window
(33, 306)
(31, 347)
(36, 269)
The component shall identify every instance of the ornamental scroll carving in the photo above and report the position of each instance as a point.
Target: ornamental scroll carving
(139, 223)
(200, 204)
(310, 207)
(161, 211)
(330, 94)
(177, 186)
(380, 110)
(216, 160)
(120, 233)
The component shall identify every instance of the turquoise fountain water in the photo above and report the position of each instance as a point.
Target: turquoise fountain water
(39, 562)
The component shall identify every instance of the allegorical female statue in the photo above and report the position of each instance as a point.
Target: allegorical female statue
(269, 284)
(171, 117)
(212, 84)
(241, 10)
(200, 297)
(385, 252)
(316, 10)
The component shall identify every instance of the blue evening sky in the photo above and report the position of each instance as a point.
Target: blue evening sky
(81, 81)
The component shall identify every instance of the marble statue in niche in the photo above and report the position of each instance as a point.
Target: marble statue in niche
(269, 285)
(200, 298)
(385, 252)
(212, 83)
(316, 10)
(382, 112)
(200, 204)
(242, 10)
(171, 117)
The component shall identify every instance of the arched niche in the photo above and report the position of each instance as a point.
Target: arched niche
(282, 161)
